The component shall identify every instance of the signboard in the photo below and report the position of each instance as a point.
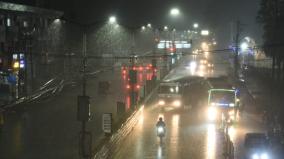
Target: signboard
(178, 44)
(204, 32)
(107, 123)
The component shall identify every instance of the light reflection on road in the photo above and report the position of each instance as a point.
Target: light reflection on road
(211, 141)
(160, 152)
(232, 133)
(174, 136)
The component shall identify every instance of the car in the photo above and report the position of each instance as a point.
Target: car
(256, 146)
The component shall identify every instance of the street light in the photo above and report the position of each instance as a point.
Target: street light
(149, 25)
(175, 12)
(244, 46)
(195, 25)
(165, 27)
(143, 27)
(112, 19)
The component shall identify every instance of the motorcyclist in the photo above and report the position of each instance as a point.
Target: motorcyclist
(161, 123)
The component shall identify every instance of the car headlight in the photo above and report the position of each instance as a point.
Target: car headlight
(212, 113)
(177, 103)
(161, 102)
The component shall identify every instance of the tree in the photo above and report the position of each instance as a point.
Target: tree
(270, 15)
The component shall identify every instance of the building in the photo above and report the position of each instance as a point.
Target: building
(26, 33)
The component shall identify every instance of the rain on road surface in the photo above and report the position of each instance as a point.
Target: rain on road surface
(188, 134)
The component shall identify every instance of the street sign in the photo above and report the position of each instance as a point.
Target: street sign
(107, 123)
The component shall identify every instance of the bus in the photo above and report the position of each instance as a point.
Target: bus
(223, 102)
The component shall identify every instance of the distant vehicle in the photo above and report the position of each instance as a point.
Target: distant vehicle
(256, 146)
(170, 95)
(223, 102)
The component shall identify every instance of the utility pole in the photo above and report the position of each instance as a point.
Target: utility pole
(84, 108)
(236, 57)
(84, 63)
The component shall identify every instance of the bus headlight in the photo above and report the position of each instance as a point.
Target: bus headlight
(212, 113)
(177, 103)
(161, 102)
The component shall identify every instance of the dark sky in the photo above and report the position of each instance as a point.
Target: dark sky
(213, 14)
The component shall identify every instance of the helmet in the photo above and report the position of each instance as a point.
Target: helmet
(160, 119)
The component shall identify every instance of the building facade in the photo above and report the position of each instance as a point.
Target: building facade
(26, 35)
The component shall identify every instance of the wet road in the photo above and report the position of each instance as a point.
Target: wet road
(188, 135)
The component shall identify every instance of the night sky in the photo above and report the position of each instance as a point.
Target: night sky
(213, 14)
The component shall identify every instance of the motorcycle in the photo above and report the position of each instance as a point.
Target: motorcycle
(161, 132)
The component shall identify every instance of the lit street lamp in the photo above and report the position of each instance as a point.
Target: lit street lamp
(143, 27)
(112, 19)
(175, 12)
(195, 25)
(166, 28)
(149, 25)
(244, 46)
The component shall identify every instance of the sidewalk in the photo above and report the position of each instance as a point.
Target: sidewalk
(50, 128)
